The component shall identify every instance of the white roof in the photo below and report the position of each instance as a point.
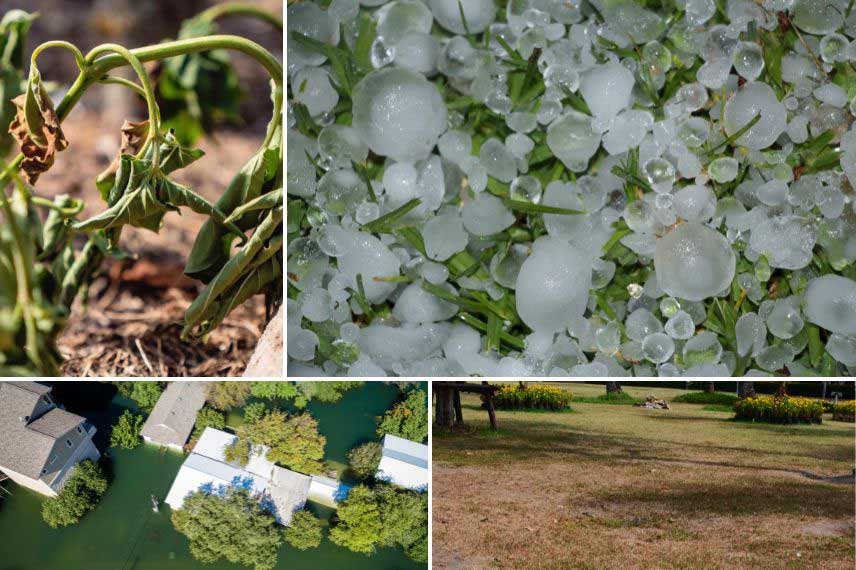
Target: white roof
(404, 463)
(174, 414)
(207, 465)
(326, 491)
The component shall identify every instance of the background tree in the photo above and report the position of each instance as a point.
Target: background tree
(327, 392)
(126, 432)
(709, 386)
(364, 459)
(145, 394)
(230, 526)
(254, 412)
(228, 395)
(82, 491)
(407, 419)
(294, 441)
(305, 531)
(278, 390)
(613, 387)
(745, 389)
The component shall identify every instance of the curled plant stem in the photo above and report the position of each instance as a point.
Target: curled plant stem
(154, 113)
(111, 79)
(235, 8)
(64, 212)
(78, 55)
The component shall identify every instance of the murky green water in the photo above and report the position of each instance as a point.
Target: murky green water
(124, 534)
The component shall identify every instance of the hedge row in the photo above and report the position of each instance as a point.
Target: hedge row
(779, 409)
(532, 398)
(845, 411)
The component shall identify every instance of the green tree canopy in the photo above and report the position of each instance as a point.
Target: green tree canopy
(254, 412)
(294, 441)
(274, 390)
(383, 517)
(208, 417)
(231, 526)
(364, 459)
(227, 395)
(145, 394)
(82, 491)
(126, 431)
(305, 531)
(327, 392)
(408, 418)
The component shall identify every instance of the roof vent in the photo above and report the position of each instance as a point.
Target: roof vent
(24, 419)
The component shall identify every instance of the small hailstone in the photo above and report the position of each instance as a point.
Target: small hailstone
(592, 370)
(519, 144)
(505, 265)
(695, 203)
(416, 305)
(309, 19)
(660, 173)
(486, 215)
(608, 338)
(817, 17)
(454, 145)
(381, 53)
(751, 333)
(572, 140)
(435, 273)
(526, 188)
(627, 131)
(301, 345)
(497, 160)
(562, 77)
(417, 52)
(607, 89)
(312, 87)
(833, 48)
(831, 94)
(550, 109)
(751, 100)
(370, 258)
(699, 11)
(680, 326)
(521, 122)
(315, 304)
(399, 183)
(773, 192)
(748, 60)
(723, 169)
(602, 273)
(478, 14)
(830, 302)
(366, 212)
(398, 113)
(444, 236)
(714, 73)
(669, 306)
(344, 10)
(349, 332)
(784, 321)
(658, 347)
(339, 145)
(786, 241)
(694, 262)
(553, 285)
(334, 240)
(704, 348)
(476, 173)
(842, 348)
(343, 190)
(775, 357)
(400, 17)
(641, 323)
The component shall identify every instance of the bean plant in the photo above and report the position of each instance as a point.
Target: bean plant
(43, 267)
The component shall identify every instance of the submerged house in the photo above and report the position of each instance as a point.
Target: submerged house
(281, 490)
(404, 463)
(40, 443)
(173, 417)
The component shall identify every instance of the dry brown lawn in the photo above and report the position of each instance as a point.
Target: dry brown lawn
(619, 487)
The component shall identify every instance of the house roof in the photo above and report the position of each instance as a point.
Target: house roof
(173, 417)
(404, 463)
(25, 442)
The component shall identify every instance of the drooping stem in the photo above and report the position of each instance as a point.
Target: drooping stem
(149, 92)
(78, 55)
(235, 8)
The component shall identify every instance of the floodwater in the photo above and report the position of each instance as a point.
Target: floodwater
(123, 533)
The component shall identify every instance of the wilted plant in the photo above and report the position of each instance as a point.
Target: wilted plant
(41, 271)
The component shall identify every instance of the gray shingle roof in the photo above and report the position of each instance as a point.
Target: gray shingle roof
(26, 443)
(172, 418)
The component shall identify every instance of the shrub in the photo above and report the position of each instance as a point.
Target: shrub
(532, 398)
(364, 459)
(614, 398)
(126, 432)
(305, 531)
(844, 411)
(82, 491)
(779, 409)
(254, 412)
(716, 398)
(294, 441)
(407, 419)
(227, 395)
(208, 417)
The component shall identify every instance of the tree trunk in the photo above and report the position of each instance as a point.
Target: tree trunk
(745, 389)
(710, 386)
(491, 411)
(459, 413)
(613, 387)
(443, 412)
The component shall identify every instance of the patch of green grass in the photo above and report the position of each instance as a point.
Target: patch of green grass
(717, 398)
(616, 398)
(492, 433)
(716, 408)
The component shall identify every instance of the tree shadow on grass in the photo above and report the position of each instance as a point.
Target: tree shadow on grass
(526, 441)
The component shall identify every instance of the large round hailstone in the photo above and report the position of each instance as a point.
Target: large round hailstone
(399, 113)
(694, 262)
(309, 19)
(752, 99)
(607, 89)
(572, 140)
(397, 19)
(553, 285)
(479, 14)
(830, 302)
(786, 241)
(819, 16)
(371, 258)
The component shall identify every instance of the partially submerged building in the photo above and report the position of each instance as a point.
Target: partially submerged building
(174, 415)
(283, 491)
(404, 463)
(40, 443)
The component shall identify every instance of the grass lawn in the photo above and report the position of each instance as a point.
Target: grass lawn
(613, 486)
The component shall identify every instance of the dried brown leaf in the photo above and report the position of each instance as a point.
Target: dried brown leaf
(38, 155)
